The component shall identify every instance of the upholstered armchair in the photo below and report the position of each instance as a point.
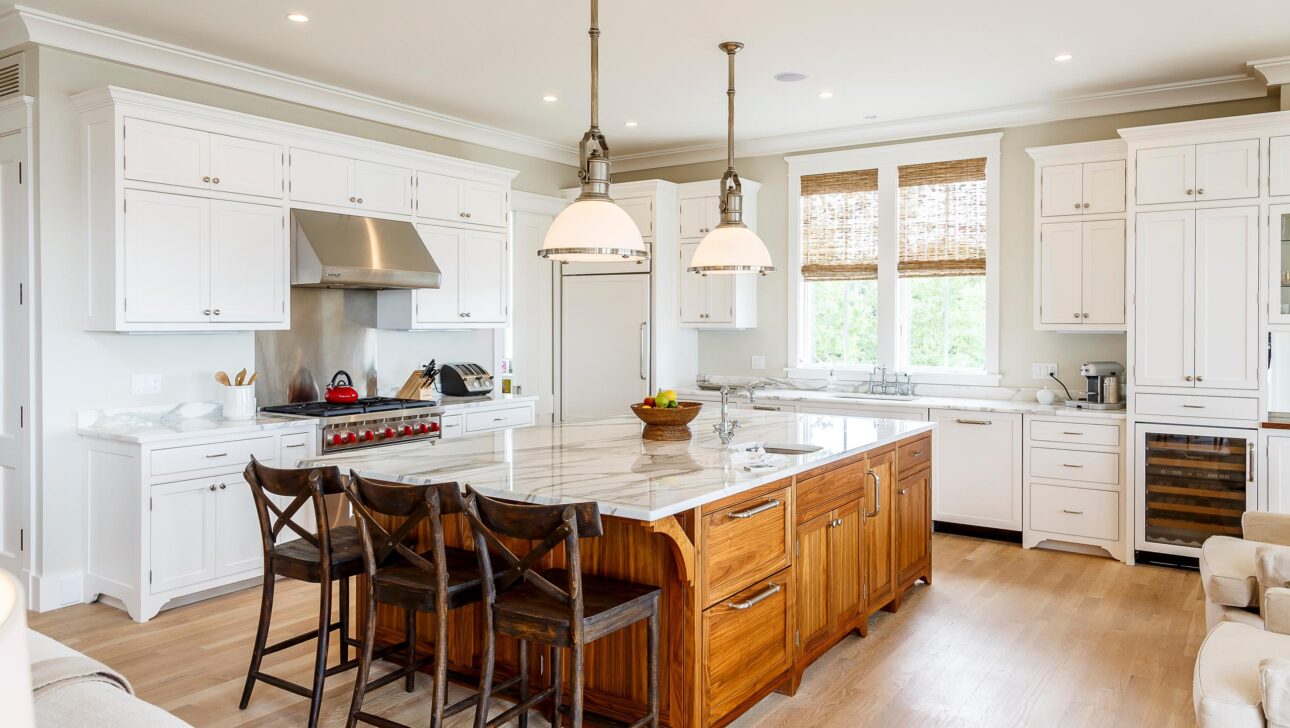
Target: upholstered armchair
(1229, 568)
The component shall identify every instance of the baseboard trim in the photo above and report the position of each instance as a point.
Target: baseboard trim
(994, 534)
(55, 591)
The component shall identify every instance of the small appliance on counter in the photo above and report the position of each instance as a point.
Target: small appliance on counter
(1102, 386)
(464, 380)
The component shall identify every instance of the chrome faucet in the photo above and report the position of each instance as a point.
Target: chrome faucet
(751, 388)
(725, 429)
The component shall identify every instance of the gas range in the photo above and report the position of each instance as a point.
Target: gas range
(368, 422)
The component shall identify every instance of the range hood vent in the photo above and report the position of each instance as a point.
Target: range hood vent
(330, 250)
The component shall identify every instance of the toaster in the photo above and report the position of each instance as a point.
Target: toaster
(464, 380)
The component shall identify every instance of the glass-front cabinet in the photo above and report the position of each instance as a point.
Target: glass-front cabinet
(1279, 264)
(1193, 483)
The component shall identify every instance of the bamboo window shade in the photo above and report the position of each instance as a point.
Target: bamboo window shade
(941, 219)
(840, 226)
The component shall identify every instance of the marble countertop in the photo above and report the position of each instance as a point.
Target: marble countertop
(485, 402)
(174, 422)
(1029, 407)
(607, 461)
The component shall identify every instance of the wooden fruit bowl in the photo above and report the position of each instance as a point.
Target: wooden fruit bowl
(667, 423)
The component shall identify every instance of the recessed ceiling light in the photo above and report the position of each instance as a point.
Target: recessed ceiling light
(631, 124)
(549, 98)
(826, 94)
(871, 117)
(790, 77)
(1062, 57)
(298, 17)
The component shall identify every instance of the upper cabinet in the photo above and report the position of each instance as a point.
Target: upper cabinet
(1279, 166)
(1198, 172)
(174, 155)
(329, 179)
(473, 293)
(700, 215)
(1092, 188)
(461, 201)
(713, 301)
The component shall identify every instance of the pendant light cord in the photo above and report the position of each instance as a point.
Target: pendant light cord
(595, 66)
(730, 111)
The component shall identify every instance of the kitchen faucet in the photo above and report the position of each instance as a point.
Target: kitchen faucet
(751, 388)
(725, 429)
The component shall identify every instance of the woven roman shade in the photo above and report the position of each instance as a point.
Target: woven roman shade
(840, 226)
(941, 219)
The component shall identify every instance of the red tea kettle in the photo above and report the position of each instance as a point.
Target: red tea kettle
(341, 390)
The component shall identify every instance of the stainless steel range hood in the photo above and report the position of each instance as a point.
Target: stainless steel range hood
(330, 250)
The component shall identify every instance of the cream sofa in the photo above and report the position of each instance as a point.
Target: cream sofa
(1229, 568)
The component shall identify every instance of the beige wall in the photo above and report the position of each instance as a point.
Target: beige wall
(730, 352)
(87, 370)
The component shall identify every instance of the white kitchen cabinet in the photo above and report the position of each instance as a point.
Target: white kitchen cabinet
(195, 261)
(1074, 475)
(1278, 282)
(1103, 187)
(461, 201)
(239, 546)
(715, 301)
(473, 292)
(1279, 166)
(1060, 273)
(245, 166)
(699, 215)
(331, 179)
(1090, 188)
(1081, 275)
(606, 320)
(978, 469)
(175, 155)
(641, 211)
(183, 534)
(382, 187)
(1277, 474)
(1166, 293)
(1199, 172)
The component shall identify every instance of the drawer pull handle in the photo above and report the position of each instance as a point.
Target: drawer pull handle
(877, 493)
(1069, 465)
(767, 408)
(768, 505)
(917, 453)
(1194, 406)
(1077, 434)
(770, 591)
(499, 419)
(217, 455)
(1073, 513)
(298, 444)
(974, 422)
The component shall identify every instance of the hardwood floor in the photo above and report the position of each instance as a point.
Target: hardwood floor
(1006, 637)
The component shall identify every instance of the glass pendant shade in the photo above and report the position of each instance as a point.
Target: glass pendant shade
(594, 230)
(731, 249)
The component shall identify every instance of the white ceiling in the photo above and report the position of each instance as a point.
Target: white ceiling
(491, 62)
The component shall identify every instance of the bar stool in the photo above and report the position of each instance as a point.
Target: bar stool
(436, 581)
(333, 554)
(528, 604)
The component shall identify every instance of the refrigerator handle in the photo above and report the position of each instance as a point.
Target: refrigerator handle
(644, 351)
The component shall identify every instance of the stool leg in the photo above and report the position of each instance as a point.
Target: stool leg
(320, 662)
(575, 693)
(261, 636)
(557, 678)
(410, 659)
(484, 698)
(440, 665)
(653, 666)
(344, 619)
(524, 681)
(364, 660)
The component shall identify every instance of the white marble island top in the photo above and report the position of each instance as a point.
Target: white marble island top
(607, 461)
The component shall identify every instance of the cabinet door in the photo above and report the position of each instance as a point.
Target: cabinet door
(439, 198)
(694, 217)
(1165, 310)
(484, 203)
(1061, 190)
(1278, 475)
(441, 305)
(248, 259)
(1227, 170)
(166, 154)
(166, 252)
(641, 211)
(846, 573)
(1102, 263)
(711, 213)
(977, 457)
(238, 543)
(913, 524)
(1227, 293)
(605, 344)
(1104, 187)
(382, 188)
(1278, 265)
(814, 621)
(245, 166)
(879, 525)
(182, 530)
(1060, 255)
(1279, 161)
(323, 179)
(482, 261)
(1166, 175)
(747, 645)
(720, 297)
(694, 288)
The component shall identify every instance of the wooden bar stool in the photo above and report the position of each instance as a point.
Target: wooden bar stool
(437, 581)
(528, 605)
(332, 554)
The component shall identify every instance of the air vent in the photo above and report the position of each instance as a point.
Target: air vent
(10, 76)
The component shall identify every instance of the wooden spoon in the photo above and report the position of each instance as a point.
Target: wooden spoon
(241, 377)
(251, 381)
(222, 378)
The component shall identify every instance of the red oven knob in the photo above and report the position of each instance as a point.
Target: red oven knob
(407, 430)
(367, 435)
(423, 428)
(351, 438)
(387, 433)
(337, 439)
(434, 426)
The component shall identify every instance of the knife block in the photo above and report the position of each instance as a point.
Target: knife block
(412, 388)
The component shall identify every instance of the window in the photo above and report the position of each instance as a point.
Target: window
(895, 251)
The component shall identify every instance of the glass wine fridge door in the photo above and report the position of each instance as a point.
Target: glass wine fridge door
(1196, 482)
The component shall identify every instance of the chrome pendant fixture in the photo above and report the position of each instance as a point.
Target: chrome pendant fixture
(731, 247)
(593, 228)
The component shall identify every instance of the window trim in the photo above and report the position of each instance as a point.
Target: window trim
(886, 159)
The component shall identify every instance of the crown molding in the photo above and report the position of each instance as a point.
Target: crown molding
(1270, 121)
(1276, 71)
(1187, 93)
(1109, 149)
(20, 24)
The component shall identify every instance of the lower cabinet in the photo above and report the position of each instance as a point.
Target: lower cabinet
(879, 531)
(978, 469)
(203, 529)
(747, 646)
(913, 525)
(829, 577)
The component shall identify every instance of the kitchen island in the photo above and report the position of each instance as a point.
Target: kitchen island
(762, 569)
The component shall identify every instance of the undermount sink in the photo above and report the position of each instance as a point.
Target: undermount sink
(866, 395)
(783, 448)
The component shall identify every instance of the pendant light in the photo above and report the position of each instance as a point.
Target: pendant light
(593, 228)
(731, 247)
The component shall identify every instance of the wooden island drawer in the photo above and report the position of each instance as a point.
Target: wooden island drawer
(747, 646)
(912, 456)
(818, 493)
(745, 542)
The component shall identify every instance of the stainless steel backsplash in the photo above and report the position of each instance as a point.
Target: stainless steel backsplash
(330, 330)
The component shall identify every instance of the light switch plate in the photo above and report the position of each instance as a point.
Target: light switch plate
(759, 362)
(145, 384)
(1042, 370)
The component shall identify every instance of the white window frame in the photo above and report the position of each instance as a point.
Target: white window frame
(886, 159)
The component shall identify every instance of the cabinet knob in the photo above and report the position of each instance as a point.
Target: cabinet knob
(1076, 205)
(216, 312)
(468, 215)
(902, 491)
(360, 200)
(1085, 205)
(1190, 192)
(1084, 315)
(207, 312)
(1199, 378)
(211, 488)
(215, 180)
(461, 214)
(1077, 315)
(352, 200)
(224, 486)
(1200, 191)
(206, 179)
(1187, 378)
(467, 314)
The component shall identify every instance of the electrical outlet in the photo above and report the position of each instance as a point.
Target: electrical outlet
(1042, 370)
(145, 384)
(759, 362)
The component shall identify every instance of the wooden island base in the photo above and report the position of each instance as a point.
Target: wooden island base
(755, 586)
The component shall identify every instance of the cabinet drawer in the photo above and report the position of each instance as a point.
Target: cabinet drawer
(499, 418)
(1182, 405)
(295, 446)
(747, 645)
(744, 543)
(837, 484)
(232, 455)
(1075, 511)
(1075, 433)
(913, 455)
(453, 426)
(1089, 467)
